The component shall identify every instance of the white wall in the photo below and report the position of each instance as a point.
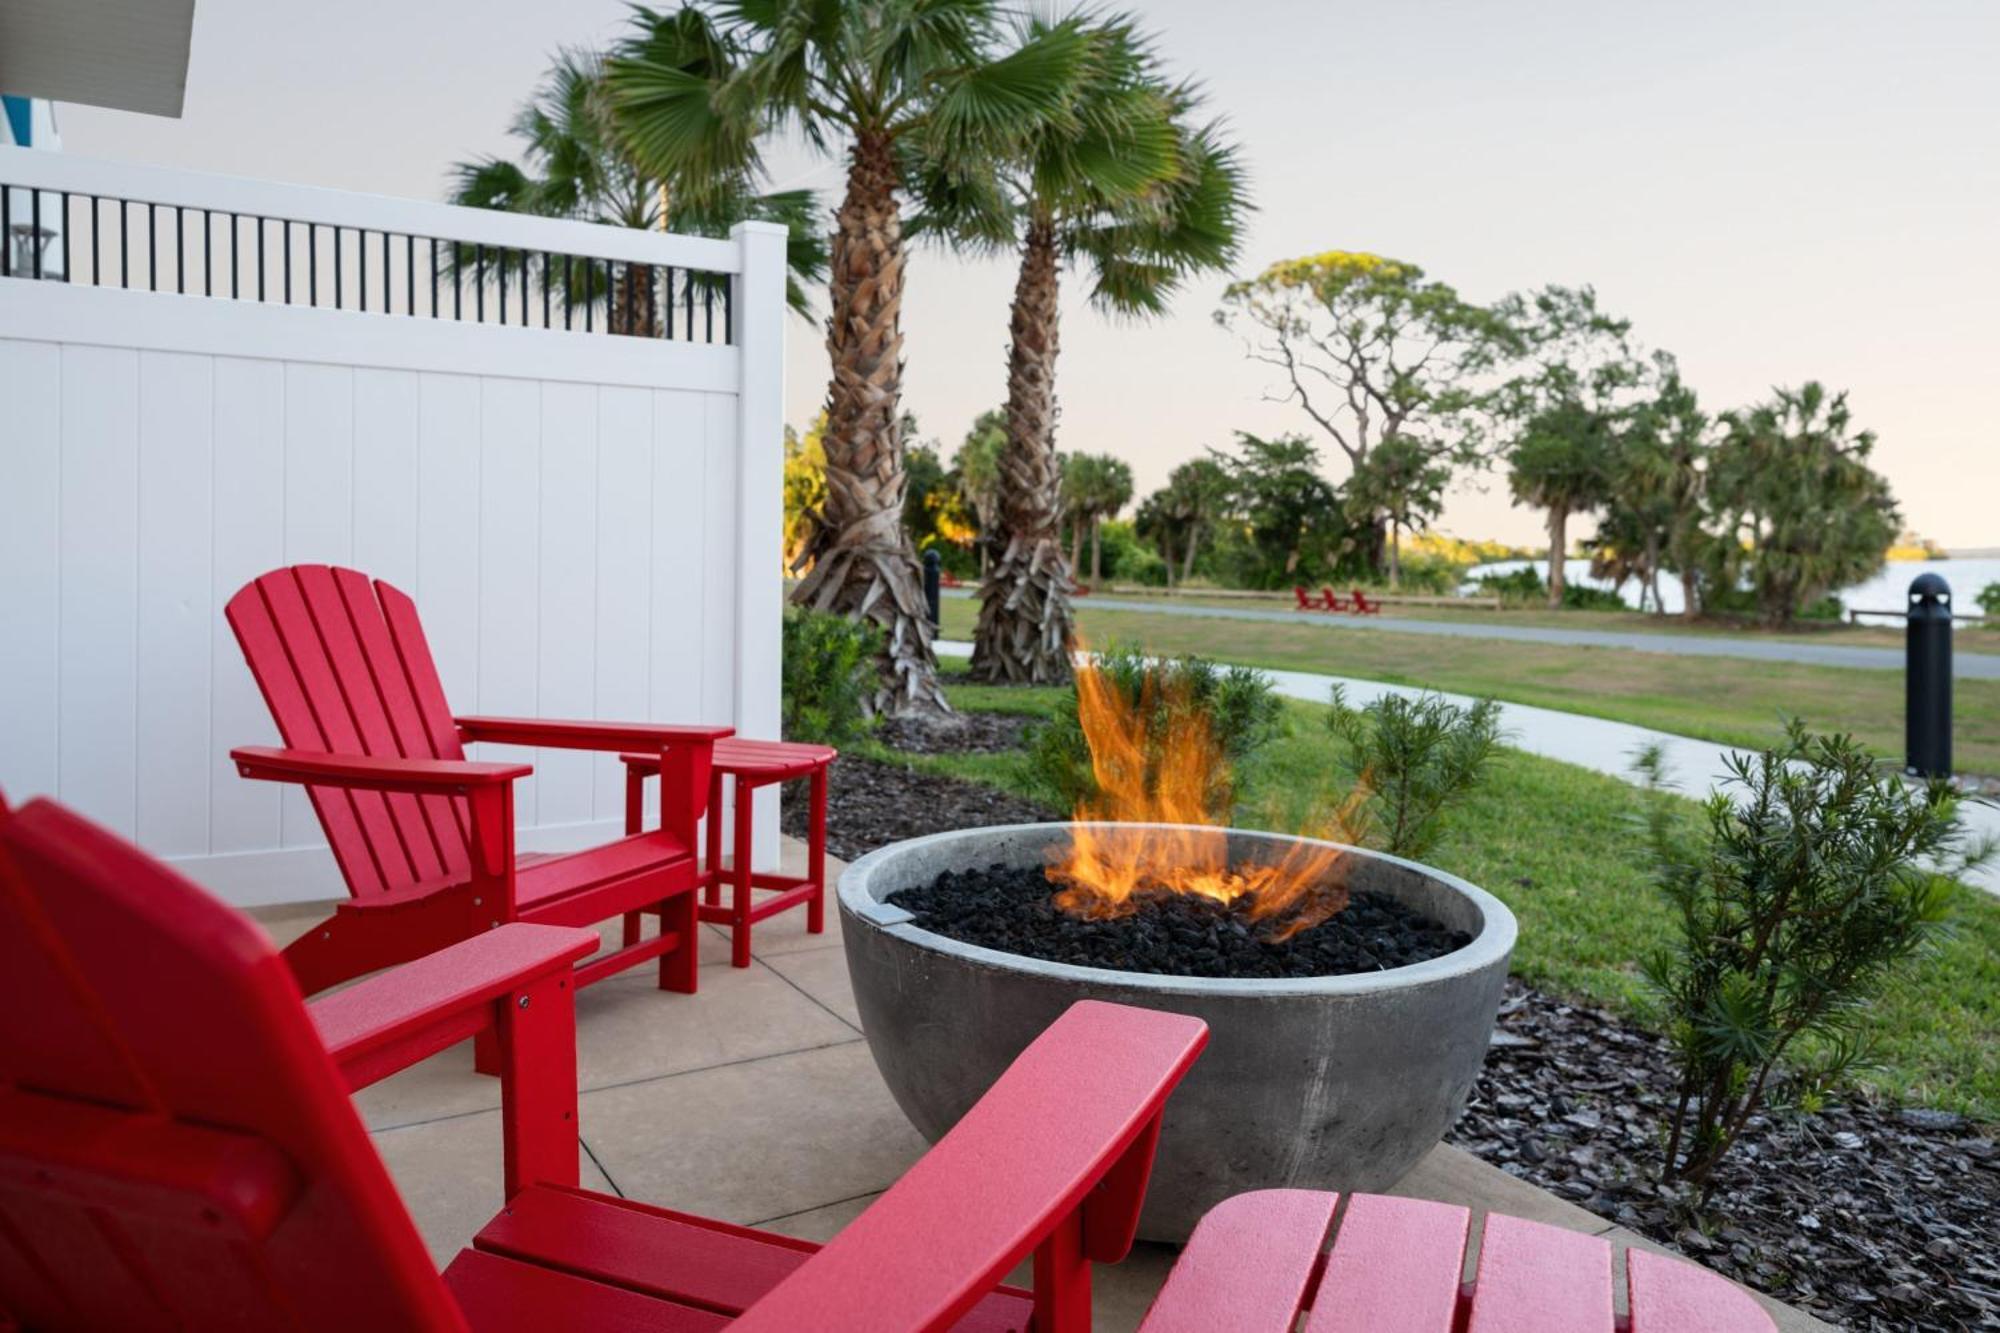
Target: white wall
(572, 512)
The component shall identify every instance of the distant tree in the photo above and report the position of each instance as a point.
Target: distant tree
(1176, 517)
(1371, 350)
(1403, 482)
(977, 465)
(1292, 513)
(1137, 193)
(1095, 487)
(884, 84)
(1656, 503)
(1562, 463)
(805, 489)
(1564, 407)
(1801, 512)
(573, 166)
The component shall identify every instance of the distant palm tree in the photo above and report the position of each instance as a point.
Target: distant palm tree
(889, 83)
(1132, 187)
(977, 464)
(1196, 496)
(576, 168)
(1562, 464)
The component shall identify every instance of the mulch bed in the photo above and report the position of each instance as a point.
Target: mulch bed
(1170, 934)
(1866, 1216)
(870, 804)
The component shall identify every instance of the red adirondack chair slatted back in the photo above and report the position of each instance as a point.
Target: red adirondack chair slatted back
(176, 1149)
(345, 668)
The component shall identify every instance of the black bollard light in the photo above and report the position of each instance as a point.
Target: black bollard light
(932, 562)
(1927, 679)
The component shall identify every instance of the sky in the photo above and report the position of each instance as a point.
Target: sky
(1773, 192)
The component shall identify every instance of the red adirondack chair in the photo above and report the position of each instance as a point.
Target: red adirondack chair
(178, 1151)
(1364, 607)
(425, 838)
(1306, 602)
(1258, 1261)
(1330, 602)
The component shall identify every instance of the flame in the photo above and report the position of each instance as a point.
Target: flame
(1178, 779)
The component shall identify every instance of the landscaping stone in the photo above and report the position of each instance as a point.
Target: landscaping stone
(1867, 1216)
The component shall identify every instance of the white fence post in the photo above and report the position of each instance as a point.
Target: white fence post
(760, 339)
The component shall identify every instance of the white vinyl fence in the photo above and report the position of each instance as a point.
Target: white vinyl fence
(214, 377)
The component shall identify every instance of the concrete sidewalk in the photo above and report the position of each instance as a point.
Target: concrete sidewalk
(1693, 767)
(756, 1102)
(1965, 666)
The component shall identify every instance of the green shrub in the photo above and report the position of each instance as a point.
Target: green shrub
(1583, 597)
(1430, 575)
(1237, 705)
(828, 674)
(1517, 587)
(1411, 757)
(1802, 900)
(1989, 599)
(1126, 558)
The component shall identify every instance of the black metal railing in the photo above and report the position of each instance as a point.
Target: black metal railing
(102, 241)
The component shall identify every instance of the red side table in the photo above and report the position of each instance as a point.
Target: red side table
(752, 764)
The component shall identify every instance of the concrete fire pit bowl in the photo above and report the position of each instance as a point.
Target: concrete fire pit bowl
(1335, 1083)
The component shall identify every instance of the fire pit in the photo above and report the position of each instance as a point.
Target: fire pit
(1324, 1081)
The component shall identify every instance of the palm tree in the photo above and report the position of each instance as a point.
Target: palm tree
(1197, 493)
(576, 168)
(893, 82)
(1561, 464)
(1131, 187)
(1111, 491)
(977, 464)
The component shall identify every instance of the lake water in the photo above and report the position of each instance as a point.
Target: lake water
(1886, 591)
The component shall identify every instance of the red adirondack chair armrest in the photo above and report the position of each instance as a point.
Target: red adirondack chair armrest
(514, 979)
(567, 735)
(687, 754)
(1052, 1160)
(393, 1019)
(488, 789)
(456, 777)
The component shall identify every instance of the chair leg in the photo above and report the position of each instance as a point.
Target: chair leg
(739, 900)
(680, 970)
(711, 891)
(816, 855)
(486, 1052)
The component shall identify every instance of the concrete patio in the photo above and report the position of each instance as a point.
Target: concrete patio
(756, 1101)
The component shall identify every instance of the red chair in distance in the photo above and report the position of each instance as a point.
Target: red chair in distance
(1364, 607)
(425, 838)
(1306, 602)
(178, 1149)
(1330, 602)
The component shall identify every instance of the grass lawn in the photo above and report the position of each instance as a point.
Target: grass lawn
(1721, 699)
(1559, 845)
(1632, 622)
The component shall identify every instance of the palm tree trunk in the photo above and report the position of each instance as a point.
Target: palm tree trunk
(1025, 622)
(1690, 594)
(1076, 542)
(1395, 555)
(1096, 549)
(1194, 539)
(863, 564)
(1558, 551)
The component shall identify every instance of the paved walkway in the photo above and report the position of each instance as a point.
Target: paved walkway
(1965, 666)
(1693, 767)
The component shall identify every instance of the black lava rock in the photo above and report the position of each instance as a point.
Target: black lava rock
(1011, 908)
